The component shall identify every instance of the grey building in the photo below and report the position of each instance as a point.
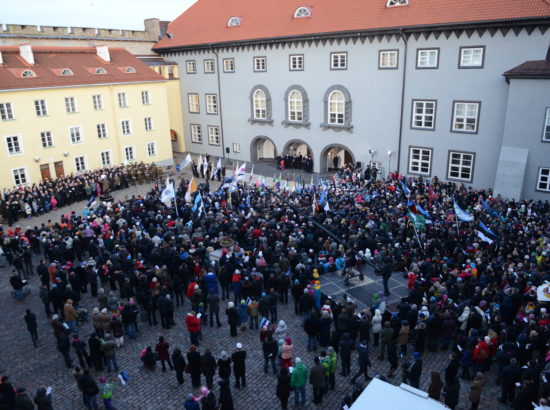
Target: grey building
(409, 85)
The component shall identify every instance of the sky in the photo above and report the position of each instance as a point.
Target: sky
(120, 14)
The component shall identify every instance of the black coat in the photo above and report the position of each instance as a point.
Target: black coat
(239, 362)
(224, 368)
(225, 399)
(194, 362)
(208, 364)
(283, 386)
(178, 361)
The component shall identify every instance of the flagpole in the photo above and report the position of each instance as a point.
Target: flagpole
(417, 237)
(456, 219)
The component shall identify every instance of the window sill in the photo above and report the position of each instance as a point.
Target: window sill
(9, 119)
(296, 124)
(464, 132)
(336, 127)
(259, 121)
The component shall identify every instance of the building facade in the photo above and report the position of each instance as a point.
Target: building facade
(412, 86)
(68, 110)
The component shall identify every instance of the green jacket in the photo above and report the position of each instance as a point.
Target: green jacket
(330, 363)
(106, 390)
(298, 378)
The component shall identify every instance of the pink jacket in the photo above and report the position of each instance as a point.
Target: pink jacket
(287, 351)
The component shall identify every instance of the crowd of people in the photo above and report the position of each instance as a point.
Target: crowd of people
(294, 161)
(242, 253)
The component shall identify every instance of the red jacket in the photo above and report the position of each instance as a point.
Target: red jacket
(479, 358)
(193, 323)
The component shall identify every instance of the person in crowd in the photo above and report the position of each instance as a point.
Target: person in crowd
(239, 366)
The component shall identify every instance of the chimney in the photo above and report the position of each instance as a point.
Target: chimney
(26, 53)
(103, 53)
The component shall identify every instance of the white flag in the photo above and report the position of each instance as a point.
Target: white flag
(186, 161)
(219, 166)
(327, 207)
(168, 194)
(241, 171)
(484, 237)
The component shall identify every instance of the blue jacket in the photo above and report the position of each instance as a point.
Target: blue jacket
(211, 281)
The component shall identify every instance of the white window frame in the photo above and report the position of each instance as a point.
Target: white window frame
(126, 127)
(213, 135)
(302, 12)
(209, 66)
(76, 131)
(295, 106)
(122, 100)
(228, 65)
(460, 166)
(424, 58)
(109, 156)
(191, 66)
(236, 147)
(154, 151)
(133, 150)
(339, 60)
(41, 108)
(388, 59)
(6, 111)
(46, 139)
(543, 179)
(461, 122)
(145, 97)
(260, 64)
(259, 105)
(97, 101)
(84, 164)
(148, 122)
(468, 59)
(21, 173)
(101, 129)
(423, 116)
(296, 62)
(211, 104)
(546, 128)
(196, 133)
(333, 115)
(418, 162)
(15, 141)
(28, 74)
(70, 105)
(234, 22)
(193, 101)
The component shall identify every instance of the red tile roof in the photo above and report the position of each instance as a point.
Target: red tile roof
(82, 61)
(206, 21)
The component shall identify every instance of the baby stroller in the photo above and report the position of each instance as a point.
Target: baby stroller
(82, 315)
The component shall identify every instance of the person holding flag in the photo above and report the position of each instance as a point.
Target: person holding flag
(168, 194)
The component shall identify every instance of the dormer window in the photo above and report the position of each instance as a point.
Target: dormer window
(27, 74)
(130, 70)
(395, 3)
(234, 21)
(66, 71)
(100, 70)
(302, 12)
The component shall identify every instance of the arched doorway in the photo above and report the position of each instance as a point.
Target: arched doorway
(333, 157)
(175, 141)
(262, 148)
(299, 155)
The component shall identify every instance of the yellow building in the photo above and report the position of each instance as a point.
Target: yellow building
(65, 110)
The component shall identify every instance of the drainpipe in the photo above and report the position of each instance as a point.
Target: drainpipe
(220, 101)
(404, 81)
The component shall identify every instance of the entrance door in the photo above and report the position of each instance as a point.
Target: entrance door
(347, 157)
(45, 171)
(59, 170)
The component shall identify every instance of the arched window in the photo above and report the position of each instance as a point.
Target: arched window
(260, 104)
(66, 71)
(130, 70)
(100, 70)
(295, 106)
(28, 73)
(302, 12)
(233, 22)
(337, 108)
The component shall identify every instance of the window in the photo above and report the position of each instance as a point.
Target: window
(461, 166)
(19, 176)
(387, 59)
(66, 71)
(420, 161)
(130, 70)
(211, 104)
(427, 58)
(302, 12)
(260, 64)
(13, 144)
(236, 147)
(148, 123)
(338, 61)
(296, 62)
(80, 163)
(41, 108)
(97, 101)
(6, 112)
(228, 65)
(213, 135)
(471, 57)
(122, 100)
(191, 66)
(100, 70)
(196, 133)
(465, 117)
(336, 107)
(152, 149)
(46, 138)
(543, 182)
(145, 98)
(101, 131)
(70, 105)
(129, 154)
(337, 104)
(395, 3)
(209, 67)
(260, 106)
(105, 158)
(75, 135)
(193, 100)
(423, 115)
(234, 21)
(295, 106)
(125, 125)
(28, 73)
(546, 130)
